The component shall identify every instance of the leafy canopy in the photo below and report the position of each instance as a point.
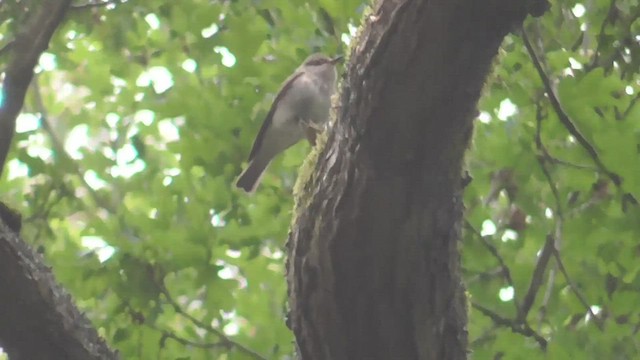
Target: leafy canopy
(143, 112)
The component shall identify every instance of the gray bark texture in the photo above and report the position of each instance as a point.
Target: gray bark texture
(374, 262)
(38, 319)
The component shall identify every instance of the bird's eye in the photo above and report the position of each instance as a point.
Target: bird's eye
(316, 62)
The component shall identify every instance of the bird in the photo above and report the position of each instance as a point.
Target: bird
(300, 109)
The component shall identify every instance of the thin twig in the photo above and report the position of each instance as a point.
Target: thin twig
(494, 252)
(575, 290)
(601, 35)
(224, 338)
(543, 157)
(562, 115)
(632, 104)
(536, 279)
(472, 277)
(170, 335)
(542, 312)
(552, 185)
(557, 161)
(559, 216)
(96, 4)
(61, 151)
(515, 325)
(559, 213)
(543, 149)
(485, 337)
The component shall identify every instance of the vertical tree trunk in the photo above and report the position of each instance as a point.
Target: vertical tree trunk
(374, 269)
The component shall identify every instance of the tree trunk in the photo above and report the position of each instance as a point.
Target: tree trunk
(374, 263)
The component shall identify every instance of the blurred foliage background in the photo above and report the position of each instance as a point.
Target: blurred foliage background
(142, 113)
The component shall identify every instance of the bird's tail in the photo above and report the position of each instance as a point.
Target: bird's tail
(251, 176)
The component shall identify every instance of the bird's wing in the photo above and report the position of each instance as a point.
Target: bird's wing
(269, 119)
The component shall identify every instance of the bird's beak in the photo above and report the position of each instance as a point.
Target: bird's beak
(336, 59)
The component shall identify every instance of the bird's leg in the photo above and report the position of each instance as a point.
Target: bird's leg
(311, 130)
(311, 135)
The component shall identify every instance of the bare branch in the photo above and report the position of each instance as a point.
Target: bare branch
(494, 251)
(562, 115)
(536, 279)
(515, 326)
(170, 335)
(543, 149)
(225, 340)
(58, 146)
(601, 35)
(486, 336)
(559, 225)
(39, 319)
(96, 4)
(542, 158)
(576, 291)
(26, 49)
(542, 312)
(632, 104)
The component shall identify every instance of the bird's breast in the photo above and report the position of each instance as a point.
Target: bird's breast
(308, 99)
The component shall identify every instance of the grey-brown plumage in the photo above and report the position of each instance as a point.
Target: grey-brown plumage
(302, 103)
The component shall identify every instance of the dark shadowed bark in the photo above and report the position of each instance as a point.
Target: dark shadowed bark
(374, 269)
(38, 319)
(25, 50)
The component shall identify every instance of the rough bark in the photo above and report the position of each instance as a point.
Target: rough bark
(25, 50)
(374, 266)
(38, 319)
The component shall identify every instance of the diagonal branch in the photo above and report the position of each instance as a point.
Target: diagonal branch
(536, 279)
(186, 342)
(610, 18)
(543, 149)
(562, 115)
(577, 292)
(559, 225)
(39, 318)
(224, 339)
(96, 4)
(632, 104)
(60, 151)
(26, 50)
(515, 325)
(504, 269)
(542, 158)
